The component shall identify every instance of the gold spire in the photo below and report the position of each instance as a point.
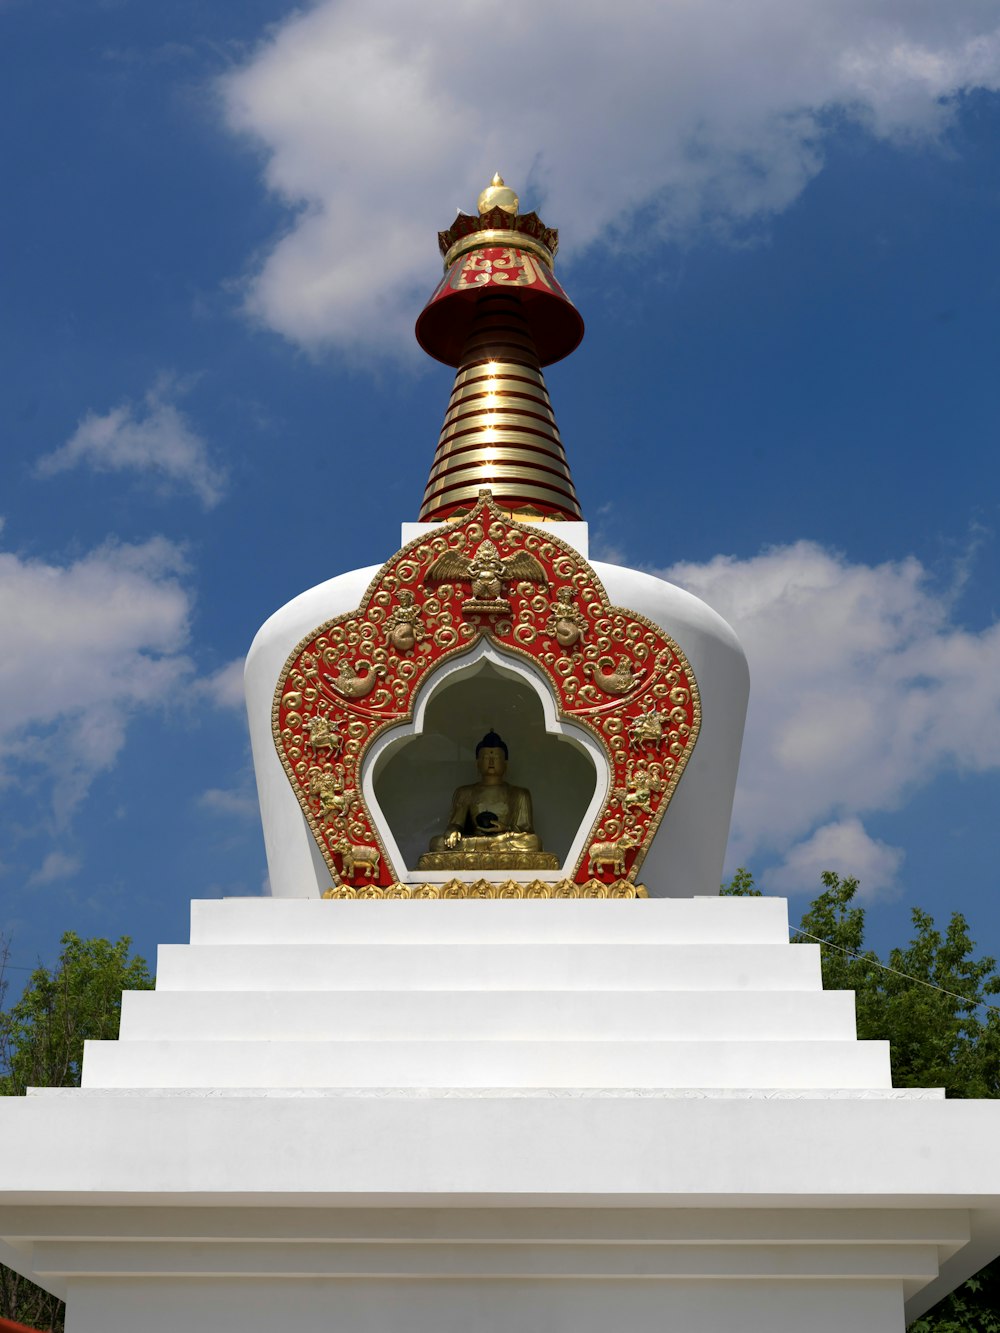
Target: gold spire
(499, 429)
(499, 315)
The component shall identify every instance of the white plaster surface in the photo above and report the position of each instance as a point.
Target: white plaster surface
(708, 920)
(147, 1268)
(295, 866)
(636, 967)
(485, 1305)
(452, 1063)
(687, 854)
(663, 1155)
(496, 1015)
(498, 1151)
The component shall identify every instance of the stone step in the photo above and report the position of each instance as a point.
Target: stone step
(663, 920)
(494, 966)
(487, 1064)
(487, 1015)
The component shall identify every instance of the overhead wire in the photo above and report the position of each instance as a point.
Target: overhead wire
(918, 981)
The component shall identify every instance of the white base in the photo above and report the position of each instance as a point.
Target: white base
(429, 1116)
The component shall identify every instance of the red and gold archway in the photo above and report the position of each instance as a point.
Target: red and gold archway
(609, 669)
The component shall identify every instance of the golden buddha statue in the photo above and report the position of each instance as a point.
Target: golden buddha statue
(490, 825)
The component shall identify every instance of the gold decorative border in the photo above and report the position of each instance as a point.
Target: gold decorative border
(483, 888)
(495, 239)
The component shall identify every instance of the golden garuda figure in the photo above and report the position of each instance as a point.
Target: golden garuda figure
(487, 571)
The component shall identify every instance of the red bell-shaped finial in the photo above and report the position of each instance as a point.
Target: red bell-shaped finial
(499, 249)
(499, 315)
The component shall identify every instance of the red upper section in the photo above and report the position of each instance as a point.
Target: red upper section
(554, 322)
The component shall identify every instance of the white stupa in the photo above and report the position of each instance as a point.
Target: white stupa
(490, 1060)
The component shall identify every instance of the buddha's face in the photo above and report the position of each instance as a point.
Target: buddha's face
(491, 762)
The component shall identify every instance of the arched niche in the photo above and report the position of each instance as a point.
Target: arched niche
(410, 773)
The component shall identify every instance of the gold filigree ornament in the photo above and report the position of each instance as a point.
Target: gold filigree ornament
(479, 889)
(610, 671)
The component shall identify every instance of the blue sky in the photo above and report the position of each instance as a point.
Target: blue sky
(780, 224)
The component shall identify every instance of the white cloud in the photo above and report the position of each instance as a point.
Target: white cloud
(154, 438)
(702, 115)
(241, 802)
(85, 645)
(863, 689)
(845, 848)
(57, 865)
(225, 686)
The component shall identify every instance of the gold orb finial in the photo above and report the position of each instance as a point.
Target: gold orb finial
(498, 195)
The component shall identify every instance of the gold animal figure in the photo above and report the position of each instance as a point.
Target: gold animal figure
(355, 857)
(323, 734)
(327, 786)
(647, 729)
(603, 854)
(352, 686)
(642, 787)
(619, 680)
(487, 570)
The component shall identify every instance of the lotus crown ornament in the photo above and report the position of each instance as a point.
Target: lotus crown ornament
(498, 211)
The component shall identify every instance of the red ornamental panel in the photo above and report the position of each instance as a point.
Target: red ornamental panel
(610, 670)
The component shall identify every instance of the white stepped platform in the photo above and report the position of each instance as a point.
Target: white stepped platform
(487, 1064)
(482, 964)
(659, 994)
(431, 921)
(437, 1116)
(494, 1015)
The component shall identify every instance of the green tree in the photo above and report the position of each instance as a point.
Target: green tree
(931, 1001)
(41, 1045)
(42, 1035)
